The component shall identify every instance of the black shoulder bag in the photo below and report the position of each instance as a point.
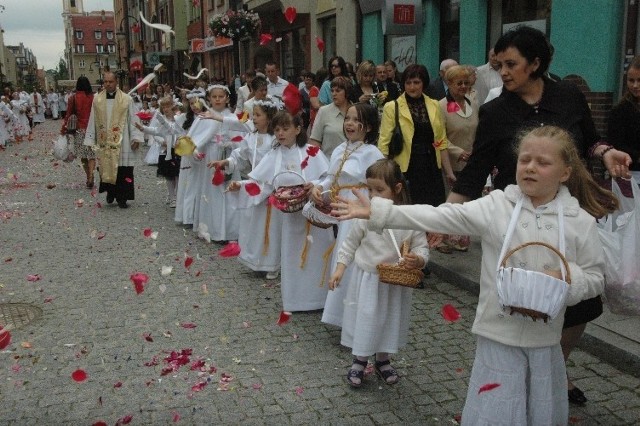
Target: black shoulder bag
(397, 141)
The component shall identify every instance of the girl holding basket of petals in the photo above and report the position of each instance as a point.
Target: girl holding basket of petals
(518, 374)
(347, 168)
(376, 314)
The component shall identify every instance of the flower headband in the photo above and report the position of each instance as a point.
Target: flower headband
(269, 102)
(218, 86)
(196, 93)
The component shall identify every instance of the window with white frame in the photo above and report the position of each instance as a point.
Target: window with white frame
(111, 48)
(109, 35)
(79, 48)
(99, 48)
(79, 34)
(97, 34)
(81, 64)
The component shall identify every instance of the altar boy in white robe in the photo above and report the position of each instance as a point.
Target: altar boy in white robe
(113, 135)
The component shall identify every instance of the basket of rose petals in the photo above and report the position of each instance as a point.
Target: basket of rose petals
(291, 198)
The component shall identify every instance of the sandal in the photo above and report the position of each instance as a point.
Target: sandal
(386, 374)
(356, 374)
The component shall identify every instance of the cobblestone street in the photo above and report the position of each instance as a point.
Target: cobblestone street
(66, 252)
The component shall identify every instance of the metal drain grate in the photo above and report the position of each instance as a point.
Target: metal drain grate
(18, 314)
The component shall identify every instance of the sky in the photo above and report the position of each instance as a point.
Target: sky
(38, 25)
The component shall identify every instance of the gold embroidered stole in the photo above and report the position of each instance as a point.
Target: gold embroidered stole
(109, 137)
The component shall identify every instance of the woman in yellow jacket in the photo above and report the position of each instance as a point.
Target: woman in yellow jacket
(423, 130)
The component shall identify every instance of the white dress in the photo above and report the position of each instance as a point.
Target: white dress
(213, 219)
(6, 124)
(37, 107)
(21, 122)
(360, 157)
(260, 224)
(376, 315)
(306, 249)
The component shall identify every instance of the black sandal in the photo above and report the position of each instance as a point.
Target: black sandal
(356, 374)
(386, 374)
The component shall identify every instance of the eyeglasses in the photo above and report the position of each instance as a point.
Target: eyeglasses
(335, 65)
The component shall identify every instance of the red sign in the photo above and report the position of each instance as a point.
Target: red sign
(404, 14)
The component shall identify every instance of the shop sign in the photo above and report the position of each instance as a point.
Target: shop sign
(401, 17)
(201, 45)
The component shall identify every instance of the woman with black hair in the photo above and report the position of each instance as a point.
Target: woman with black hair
(337, 68)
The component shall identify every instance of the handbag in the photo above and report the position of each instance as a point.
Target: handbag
(72, 120)
(397, 141)
(620, 236)
(61, 149)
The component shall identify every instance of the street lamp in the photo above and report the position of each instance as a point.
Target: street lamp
(124, 32)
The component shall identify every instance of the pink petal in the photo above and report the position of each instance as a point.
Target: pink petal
(79, 375)
(284, 318)
(252, 189)
(449, 313)
(299, 390)
(290, 14)
(117, 385)
(48, 299)
(453, 107)
(5, 338)
(124, 420)
(128, 180)
(218, 177)
(33, 277)
(175, 417)
(147, 232)
(188, 325)
(147, 337)
(232, 249)
(198, 386)
(257, 386)
(188, 261)
(236, 139)
(99, 423)
(139, 279)
(320, 44)
(313, 150)
(488, 387)
(304, 163)
(265, 39)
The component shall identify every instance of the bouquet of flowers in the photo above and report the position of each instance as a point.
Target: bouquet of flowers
(235, 24)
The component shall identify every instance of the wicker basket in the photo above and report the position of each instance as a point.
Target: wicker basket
(531, 293)
(292, 198)
(319, 215)
(399, 275)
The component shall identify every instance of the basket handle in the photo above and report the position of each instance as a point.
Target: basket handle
(273, 181)
(538, 243)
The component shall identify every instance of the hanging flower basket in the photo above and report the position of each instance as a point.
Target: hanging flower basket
(235, 24)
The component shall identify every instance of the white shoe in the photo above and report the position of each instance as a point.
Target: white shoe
(172, 204)
(272, 275)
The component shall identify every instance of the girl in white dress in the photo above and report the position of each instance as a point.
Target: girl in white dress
(518, 375)
(213, 219)
(261, 230)
(306, 249)
(349, 162)
(376, 314)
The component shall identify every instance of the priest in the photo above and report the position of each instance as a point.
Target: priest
(112, 134)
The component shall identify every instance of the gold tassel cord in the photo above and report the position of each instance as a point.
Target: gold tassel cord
(325, 258)
(267, 225)
(305, 248)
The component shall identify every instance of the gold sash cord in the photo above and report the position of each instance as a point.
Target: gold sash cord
(305, 248)
(267, 225)
(325, 259)
(335, 189)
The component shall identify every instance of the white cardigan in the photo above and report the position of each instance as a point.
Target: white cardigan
(488, 217)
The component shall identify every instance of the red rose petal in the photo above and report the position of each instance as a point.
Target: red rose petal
(320, 44)
(5, 339)
(218, 177)
(265, 39)
(198, 386)
(449, 313)
(33, 277)
(290, 14)
(139, 279)
(188, 325)
(313, 150)
(304, 163)
(488, 387)
(79, 375)
(147, 232)
(147, 337)
(236, 139)
(117, 385)
(99, 423)
(124, 420)
(175, 417)
(128, 180)
(232, 249)
(188, 261)
(284, 318)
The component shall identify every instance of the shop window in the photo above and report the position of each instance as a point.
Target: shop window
(507, 14)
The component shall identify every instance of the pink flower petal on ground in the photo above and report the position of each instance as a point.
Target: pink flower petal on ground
(198, 386)
(100, 235)
(147, 232)
(488, 387)
(79, 375)
(48, 299)
(128, 180)
(188, 325)
(232, 249)
(5, 338)
(299, 390)
(124, 420)
(188, 261)
(284, 318)
(252, 189)
(139, 280)
(449, 313)
(99, 423)
(117, 385)
(33, 277)
(147, 337)
(175, 417)
(257, 386)
(197, 365)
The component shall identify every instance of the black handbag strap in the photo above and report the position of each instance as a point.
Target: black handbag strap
(397, 116)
